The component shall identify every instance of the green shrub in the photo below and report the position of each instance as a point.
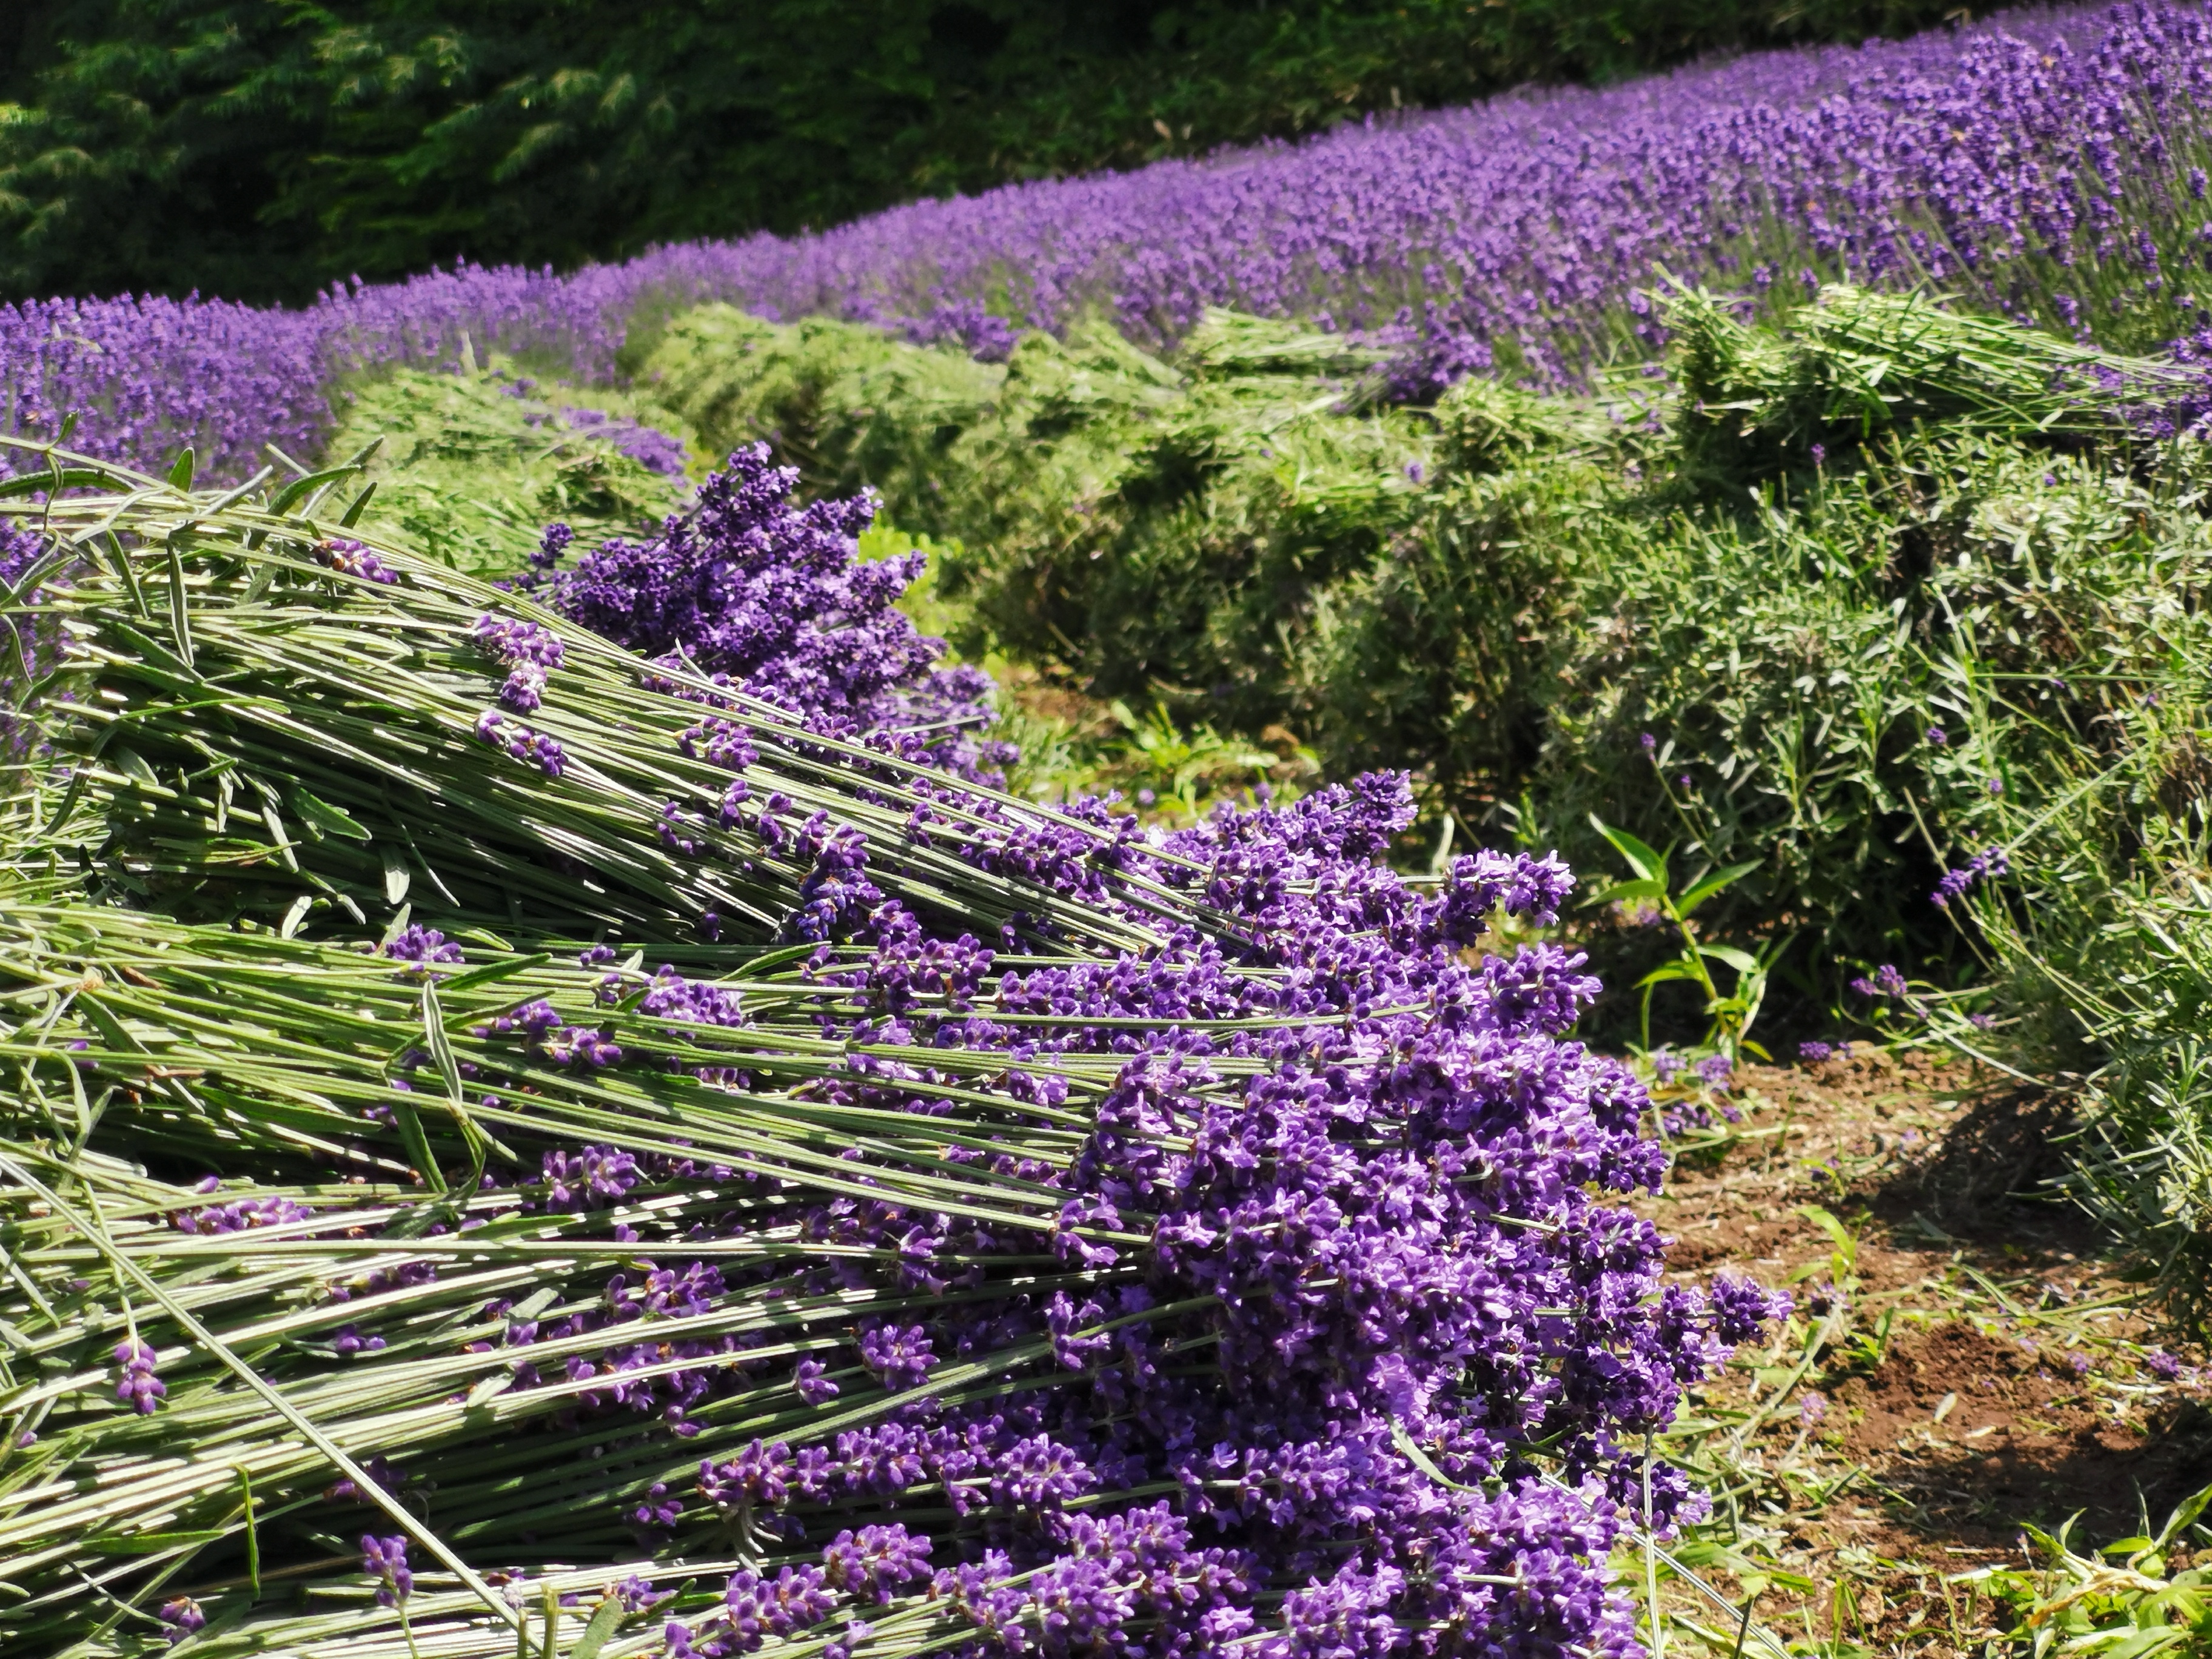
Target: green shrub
(1158, 531)
(1505, 591)
(845, 403)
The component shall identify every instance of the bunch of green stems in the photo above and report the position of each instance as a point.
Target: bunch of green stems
(237, 729)
(254, 768)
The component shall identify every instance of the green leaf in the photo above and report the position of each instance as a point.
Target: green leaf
(774, 959)
(253, 1532)
(150, 1543)
(1652, 865)
(417, 1145)
(360, 503)
(494, 971)
(300, 488)
(181, 469)
(132, 764)
(2184, 1515)
(30, 483)
(603, 1620)
(335, 819)
(1839, 1233)
(1714, 883)
(1742, 961)
(1665, 972)
(1621, 892)
(441, 1047)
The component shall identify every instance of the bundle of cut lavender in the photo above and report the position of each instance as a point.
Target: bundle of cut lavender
(513, 1144)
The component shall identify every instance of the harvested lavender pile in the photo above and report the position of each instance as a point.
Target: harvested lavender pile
(531, 1139)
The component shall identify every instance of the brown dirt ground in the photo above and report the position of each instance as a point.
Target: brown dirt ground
(2013, 1385)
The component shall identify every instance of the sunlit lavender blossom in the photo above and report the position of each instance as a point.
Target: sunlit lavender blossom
(136, 1386)
(181, 1618)
(1990, 862)
(385, 1560)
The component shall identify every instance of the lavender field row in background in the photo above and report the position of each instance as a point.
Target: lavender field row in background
(2042, 164)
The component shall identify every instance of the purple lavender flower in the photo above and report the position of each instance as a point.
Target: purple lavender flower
(1814, 1051)
(385, 1560)
(870, 1566)
(181, 1618)
(136, 1386)
(1885, 982)
(1521, 229)
(522, 743)
(773, 601)
(1990, 862)
(657, 1514)
(1740, 1308)
(637, 1595)
(530, 654)
(651, 448)
(901, 1356)
(350, 558)
(423, 947)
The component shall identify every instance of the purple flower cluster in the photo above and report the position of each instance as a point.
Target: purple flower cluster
(530, 654)
(136, 1386)
(385, 1559)
(773, 600)
(650, 447)
(425, 948)
(1886, 981)
(1990, 861)
(181, 1618)
(350, 558)
(1331, 1275)
(2038, 162)
(519, 741)
(240, 1216)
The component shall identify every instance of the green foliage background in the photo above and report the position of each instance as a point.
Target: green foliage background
(259, 149)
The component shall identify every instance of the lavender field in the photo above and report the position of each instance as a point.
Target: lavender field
(2046, 166)
(580, 1083)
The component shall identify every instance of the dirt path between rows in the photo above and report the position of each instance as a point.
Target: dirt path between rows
(1985, 1366)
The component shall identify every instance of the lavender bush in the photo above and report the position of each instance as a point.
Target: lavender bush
(2045, 164)
(1014, 1233)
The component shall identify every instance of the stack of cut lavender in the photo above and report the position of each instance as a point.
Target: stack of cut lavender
(517, 1141)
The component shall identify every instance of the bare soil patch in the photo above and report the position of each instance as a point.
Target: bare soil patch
(1965, 1361)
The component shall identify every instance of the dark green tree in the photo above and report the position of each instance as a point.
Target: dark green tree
(260, 148)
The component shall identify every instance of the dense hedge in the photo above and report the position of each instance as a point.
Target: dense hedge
(258, 149)
(1508, 592)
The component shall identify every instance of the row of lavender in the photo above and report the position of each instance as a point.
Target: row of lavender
(2043, 163)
